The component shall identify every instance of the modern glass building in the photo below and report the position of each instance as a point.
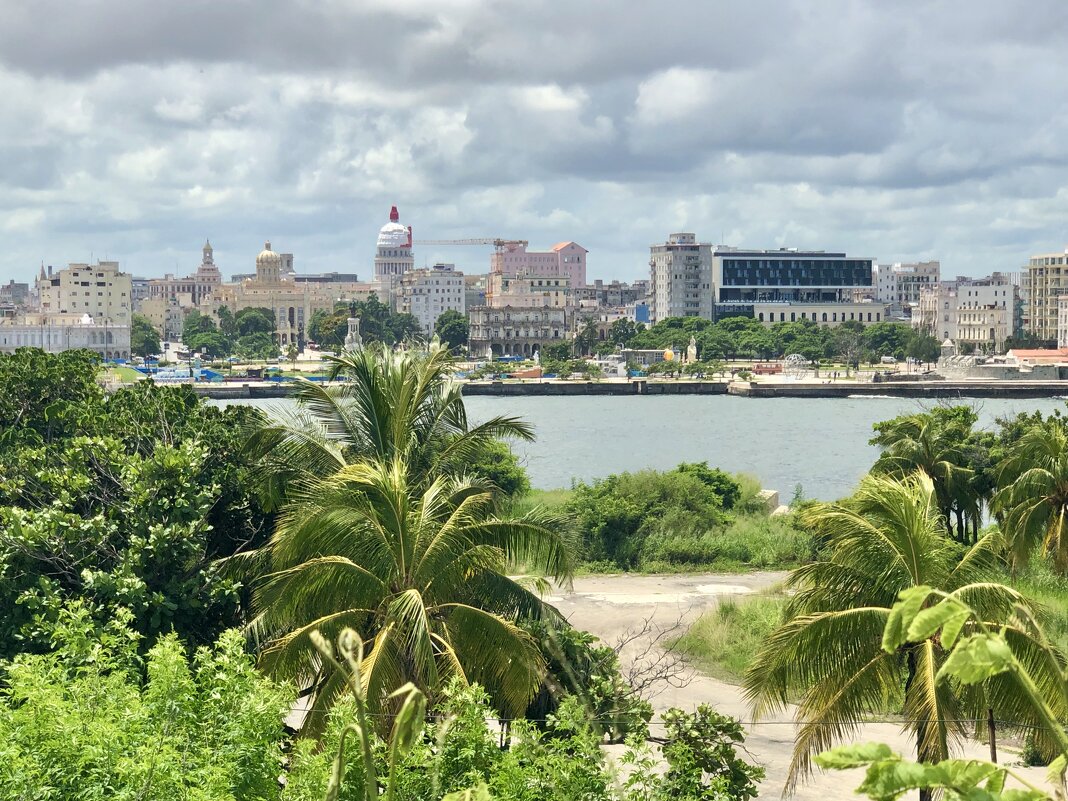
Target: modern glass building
(787, 276)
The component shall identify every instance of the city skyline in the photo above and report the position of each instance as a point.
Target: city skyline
(939, 134)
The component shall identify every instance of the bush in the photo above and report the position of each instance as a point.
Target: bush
(725, 640)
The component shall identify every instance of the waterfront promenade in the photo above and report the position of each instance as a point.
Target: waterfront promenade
(640, 387)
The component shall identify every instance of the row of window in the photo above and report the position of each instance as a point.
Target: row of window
(823, 319)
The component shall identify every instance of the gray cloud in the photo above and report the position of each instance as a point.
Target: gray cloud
(926, 130)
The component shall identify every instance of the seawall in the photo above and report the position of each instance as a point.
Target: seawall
(898, 389)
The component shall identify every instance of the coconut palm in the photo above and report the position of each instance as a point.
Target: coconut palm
(935, 442)
(888, 537)
(380, 404)
(419, 569)
(1032, 499)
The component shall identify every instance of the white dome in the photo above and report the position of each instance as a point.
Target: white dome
(393, 235)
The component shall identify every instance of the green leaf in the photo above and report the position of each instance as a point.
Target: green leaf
(889, 779)
(853, 756)
(978, 658)
(930, 620)
(951, 630)
(1055, 773)
(479, 793)
(909, 603)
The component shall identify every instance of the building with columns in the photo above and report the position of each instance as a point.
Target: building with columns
(57, 332)
(192, 289)
(512, 331)
(393, 254)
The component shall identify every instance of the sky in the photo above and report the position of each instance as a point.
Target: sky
(134, 129)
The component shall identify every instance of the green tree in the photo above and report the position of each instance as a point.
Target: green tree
(259, 345)
(210, 343)
(936, 442)
(254, 320)
(46, 396)
(1032, 499)
(923, 348)
(622, 331)
(585, 337)
(227, 323)
(557, 352)
(889, 537)
(452, 328)
(328, 329)
(421, 568)
(391, 404)
(144, 339)
(196, 325)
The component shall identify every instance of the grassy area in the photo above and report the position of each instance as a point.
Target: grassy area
(1040, 584)
(546, 499)
(724, 642)
(126, 375)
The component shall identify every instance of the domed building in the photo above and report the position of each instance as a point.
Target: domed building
(268, 265)
(393, 256)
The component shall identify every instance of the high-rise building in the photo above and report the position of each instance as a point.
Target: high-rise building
(1043, 284)
(426, 293)
(393, 256)
(100, 291)
(680, 277)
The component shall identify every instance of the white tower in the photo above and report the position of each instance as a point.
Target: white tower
(394, 254)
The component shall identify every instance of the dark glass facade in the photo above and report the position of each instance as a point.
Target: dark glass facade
(757, 277)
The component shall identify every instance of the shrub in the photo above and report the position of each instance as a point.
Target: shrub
(725, 640)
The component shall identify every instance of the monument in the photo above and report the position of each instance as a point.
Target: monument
(353, 340)
(691, 351)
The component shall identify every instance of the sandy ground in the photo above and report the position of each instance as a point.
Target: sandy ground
(609, 606)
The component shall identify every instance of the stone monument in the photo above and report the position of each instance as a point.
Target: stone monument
(691, 351)
(353, 340)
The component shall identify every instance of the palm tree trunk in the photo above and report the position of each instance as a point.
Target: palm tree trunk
(921, 726)
(991, 732)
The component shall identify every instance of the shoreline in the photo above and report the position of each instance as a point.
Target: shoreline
(639, 387)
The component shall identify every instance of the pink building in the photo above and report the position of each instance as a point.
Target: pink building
(565, 260)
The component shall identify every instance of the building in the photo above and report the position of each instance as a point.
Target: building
(526, 289)
(1062, 321)
(474, 291)
(100, 291)
(1043, 284)
(167, 316)
(899, 285)
(14, 293)
(55, 332)
(191, 290)
(680, 278)
(565, 259)
(426, 293)
(393, 255)
(274, 288)
(831, 314)
(976, 314)
(516, 331)
(936, 311)
(613, 294)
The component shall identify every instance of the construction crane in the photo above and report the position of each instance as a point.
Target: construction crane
(498, 244)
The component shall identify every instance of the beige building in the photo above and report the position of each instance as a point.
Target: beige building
(975, 313)
(100, 291)
(192, 289)
(167, 315)
(274, 288)
(936, 311)
(900, 284)
(516, 331)
(1062, 321)
(506, 289)
(680, 278)
(1042, 285)
(425, 294)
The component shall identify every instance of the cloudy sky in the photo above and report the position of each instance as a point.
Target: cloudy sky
(902, 131)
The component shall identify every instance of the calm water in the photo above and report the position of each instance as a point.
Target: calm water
(819, 443)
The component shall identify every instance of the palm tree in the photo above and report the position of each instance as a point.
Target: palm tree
(1032, 499)
(419, 569)
(888, 537)
(387, 404)
(935, 442)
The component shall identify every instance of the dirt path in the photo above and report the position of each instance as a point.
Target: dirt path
(609, 606)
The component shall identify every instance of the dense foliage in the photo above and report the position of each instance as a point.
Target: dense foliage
(93, 720)
(452, 328)
(687, 517)
(851, 342)
(144, 339)
(120, 501)
(249, 334)
(378, 323)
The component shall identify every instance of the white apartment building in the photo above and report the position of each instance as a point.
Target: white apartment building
(680, 277)
(565, 259)
(899, 284)
(426, 293)
(975, 313)
(100, 291)
(509, 289)
(1062, 321)
(1043, 284)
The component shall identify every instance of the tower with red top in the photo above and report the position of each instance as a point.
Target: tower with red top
(393, 256)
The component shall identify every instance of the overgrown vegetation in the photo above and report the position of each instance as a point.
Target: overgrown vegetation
(725, 641)
(691, 518)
